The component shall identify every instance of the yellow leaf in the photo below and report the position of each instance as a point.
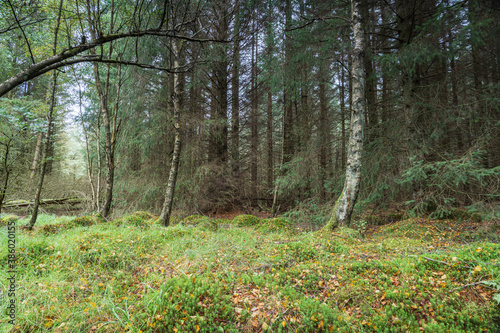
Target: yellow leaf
(197, 328)
(175, 329)
(283, 323)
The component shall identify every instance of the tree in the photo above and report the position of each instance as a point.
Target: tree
(344, 205)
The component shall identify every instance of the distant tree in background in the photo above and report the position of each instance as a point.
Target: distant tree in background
(269, 97)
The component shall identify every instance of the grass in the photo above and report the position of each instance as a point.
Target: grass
(250, 275)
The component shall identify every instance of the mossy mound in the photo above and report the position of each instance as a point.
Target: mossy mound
(137, 219)
(8, 219)
(174, 220)
(50, 229)
(277, 224)
(86, 220)
(208, 224)
(190, 304)
(200, 221)
(192, 220)
(246, 220)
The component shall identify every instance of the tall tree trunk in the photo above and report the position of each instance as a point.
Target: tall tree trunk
(174, 166)
(371, 113)
(269, 137)
(36, 156)
(235, 95)
(52, 102)
(254, 121)
(343, 208)
(108, 143)
(5, 184)
(324, 131)
(342, 119)
(288, 137)
(45, 152)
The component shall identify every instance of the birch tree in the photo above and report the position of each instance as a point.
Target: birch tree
(343, 208)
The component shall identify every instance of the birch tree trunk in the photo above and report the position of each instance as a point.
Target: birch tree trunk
(343, 208)
(174, 166)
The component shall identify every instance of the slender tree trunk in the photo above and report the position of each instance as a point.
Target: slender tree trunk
(3, 191)
(36, 157)
(343, 208)
(108, 151)
(45, 152)
(323, 124)
(254, 121)
(52, 102)
(269, 134)
(235, 94)
(288, 137)
(342, 119)
(174, 166)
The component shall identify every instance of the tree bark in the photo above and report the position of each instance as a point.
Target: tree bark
(235, 95)
(343, 208)
(288, 137)
(36, 156)
(174, 166)
(254, 120)
(3, 191)
(45, 153)
(52, 102)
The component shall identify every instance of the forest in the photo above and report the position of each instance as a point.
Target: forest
(249, 165)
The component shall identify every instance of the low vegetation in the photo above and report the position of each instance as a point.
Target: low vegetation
(87, 274)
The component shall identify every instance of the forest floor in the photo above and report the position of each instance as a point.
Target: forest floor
(251, 275)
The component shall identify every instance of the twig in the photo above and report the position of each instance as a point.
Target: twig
(439, 261)
(469, 285)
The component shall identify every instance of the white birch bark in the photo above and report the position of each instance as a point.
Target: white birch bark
(343, 208)
(174, 166)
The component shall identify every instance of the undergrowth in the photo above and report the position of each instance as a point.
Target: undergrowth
(87, 274)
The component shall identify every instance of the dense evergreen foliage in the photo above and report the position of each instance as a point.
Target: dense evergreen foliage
(264, 99)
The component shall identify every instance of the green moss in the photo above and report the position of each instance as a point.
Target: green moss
(50, 229)
(8, 219)
(189, 304)
(192, 220)
(85, 221)
(142, 220)
(246, 221)
(277, 224)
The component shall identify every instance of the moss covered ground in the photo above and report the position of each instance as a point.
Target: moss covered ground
(251, 275)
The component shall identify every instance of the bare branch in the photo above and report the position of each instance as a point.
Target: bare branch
(61, 59)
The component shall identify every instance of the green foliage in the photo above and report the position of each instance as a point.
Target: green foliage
(277, 224)
(86, 221)
(246, 221)
(412, 274)
(309, 214)
(139, 219)
(441, 184)
(189, 304)
(5, 220)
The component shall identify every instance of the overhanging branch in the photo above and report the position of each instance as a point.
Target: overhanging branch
(65, 57)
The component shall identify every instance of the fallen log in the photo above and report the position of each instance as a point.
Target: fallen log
(24, 203)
